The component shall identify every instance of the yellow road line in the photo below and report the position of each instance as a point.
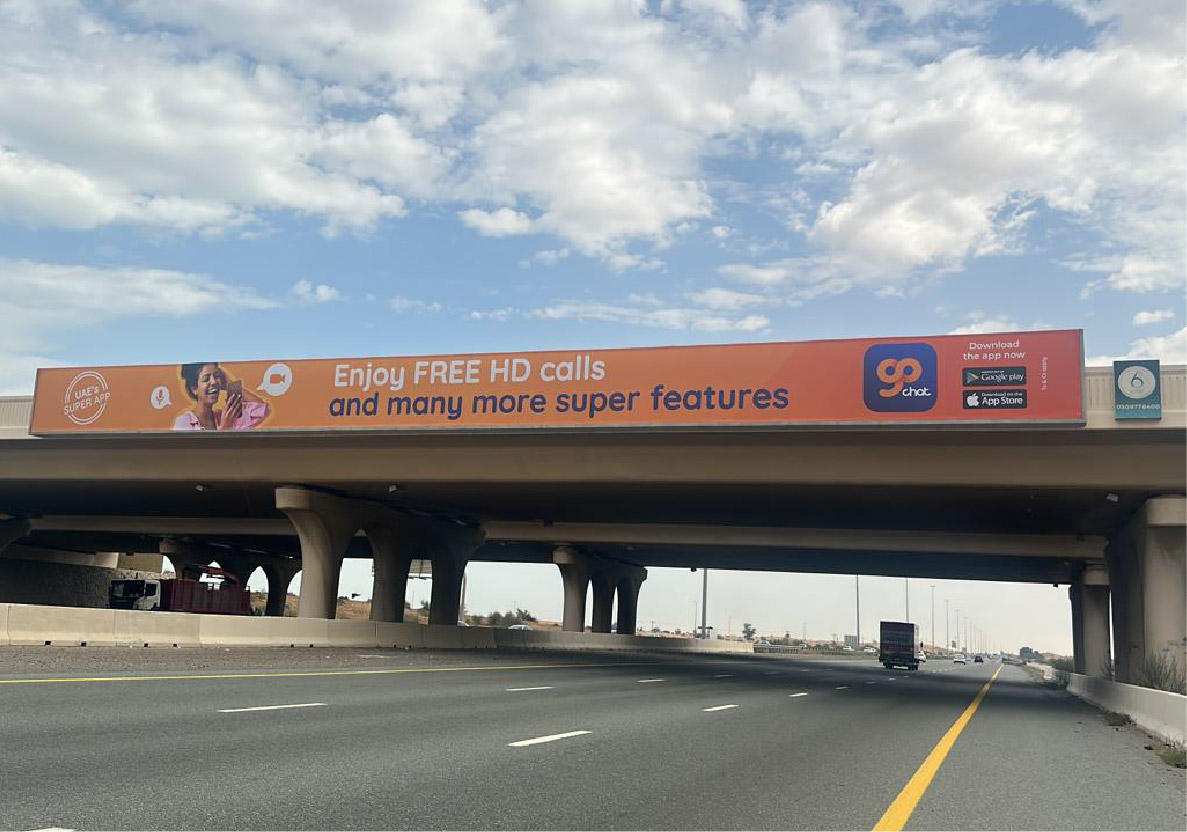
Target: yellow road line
(289, 673)
(896, 817)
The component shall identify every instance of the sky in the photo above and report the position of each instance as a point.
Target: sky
(307, 179)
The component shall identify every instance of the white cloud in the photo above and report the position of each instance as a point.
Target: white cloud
(503, 313)
(353, 43)
(550, 257)
(42, 300)
(1153, 316)
(604, 123)
(402, 304)
(504, 222)
(726, 299)
(621, 261)
(697, 320)
(309, 294)
(980, 323)
(1169, 349)
(771, 274)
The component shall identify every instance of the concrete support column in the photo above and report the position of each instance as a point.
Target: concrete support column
(1075, 595)
(393, 545)
(188, 559)
(628, 588)
(1147, 570)
(325, 524)
(574, 569)
(449, 548)
(1090, 621)
(279, 576)
(239, 565)
(603, 599)
(1165, 579)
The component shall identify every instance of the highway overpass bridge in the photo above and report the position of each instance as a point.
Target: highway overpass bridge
(1098, 506)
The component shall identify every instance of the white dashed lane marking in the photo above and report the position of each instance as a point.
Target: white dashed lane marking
(647, 681)
(718, 708)
(540, 687)
(271, 708)
(794, 695)
(548, 738)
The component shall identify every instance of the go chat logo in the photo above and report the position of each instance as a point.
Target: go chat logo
(900, 378)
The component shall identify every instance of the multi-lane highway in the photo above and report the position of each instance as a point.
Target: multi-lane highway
(373, 740)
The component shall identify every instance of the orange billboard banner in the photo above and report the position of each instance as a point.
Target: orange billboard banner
(1018, 377)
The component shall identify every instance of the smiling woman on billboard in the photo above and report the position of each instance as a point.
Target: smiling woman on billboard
(204, 383)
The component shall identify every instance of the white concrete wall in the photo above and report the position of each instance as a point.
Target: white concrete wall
(1158, 711)
(29, 624)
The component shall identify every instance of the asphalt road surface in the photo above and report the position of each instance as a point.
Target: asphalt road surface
(550, 741)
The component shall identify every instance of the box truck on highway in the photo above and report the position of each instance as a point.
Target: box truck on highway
(900, 645)
(182, 594)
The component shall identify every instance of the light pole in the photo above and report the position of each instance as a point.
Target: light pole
(958, 650)
(947, 629)
(857, 596)
(907, 596)
(704, 604)
(933, 616)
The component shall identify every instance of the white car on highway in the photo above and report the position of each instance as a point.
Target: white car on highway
(958, 658)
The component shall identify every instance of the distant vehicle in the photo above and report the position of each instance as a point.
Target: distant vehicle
(900, 645)
(847, 649)
(519, 627)
(869, 650)
(921, 656)
(182, 594)
(764, 643)
(958, 658)
(978, 660)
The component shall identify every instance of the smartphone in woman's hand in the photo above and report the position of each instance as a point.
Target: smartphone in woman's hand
(235, 396)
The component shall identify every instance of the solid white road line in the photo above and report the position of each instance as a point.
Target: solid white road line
(794, 695)
(549, 738)
(718, 708)
(646, 681)
(271, 708)
(541, 687)
(842, 687)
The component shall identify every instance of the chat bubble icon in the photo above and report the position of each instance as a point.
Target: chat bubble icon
(160, 397)
(277, 380)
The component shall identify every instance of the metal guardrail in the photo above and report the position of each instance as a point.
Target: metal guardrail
(808, 651)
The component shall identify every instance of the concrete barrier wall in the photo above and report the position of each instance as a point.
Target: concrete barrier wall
(408, 636)
(1158, 711)
(27, 624)
(159, 629)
